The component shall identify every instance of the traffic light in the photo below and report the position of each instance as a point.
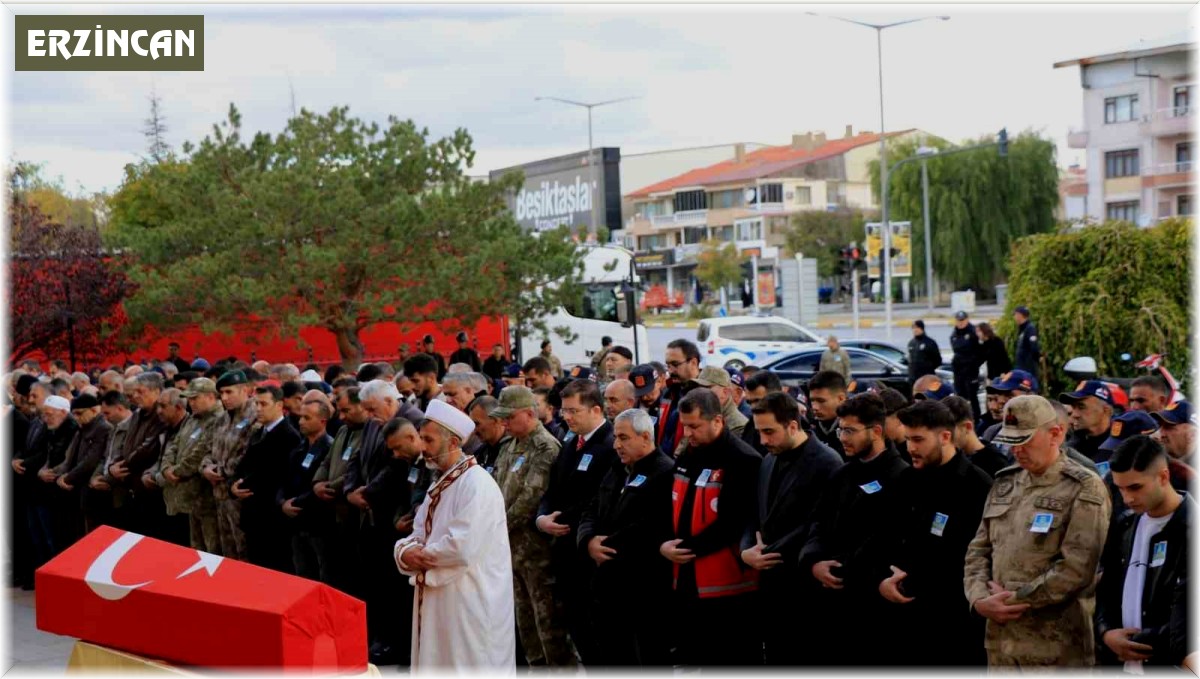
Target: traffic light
(1003, 142)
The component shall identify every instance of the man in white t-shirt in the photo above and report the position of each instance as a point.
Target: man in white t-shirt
(1141, 615)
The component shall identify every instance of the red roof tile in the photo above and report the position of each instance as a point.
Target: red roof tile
(760, 163)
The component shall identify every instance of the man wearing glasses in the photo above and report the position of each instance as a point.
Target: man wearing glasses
(683, 365)
(842, 551)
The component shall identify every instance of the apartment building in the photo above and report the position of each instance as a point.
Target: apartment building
(1137, 133)
(748, 200)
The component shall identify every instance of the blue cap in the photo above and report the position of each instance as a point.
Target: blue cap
(1127, 425)
(735, 376)
(1179, 412)
(512, 370)
(1095, 388)
(581, 373)
(1017, 380)
(644, 378)
(200, 364)
(1023, 310)
(943, 390)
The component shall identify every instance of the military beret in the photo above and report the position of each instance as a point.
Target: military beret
(232, 379)
(84, 401)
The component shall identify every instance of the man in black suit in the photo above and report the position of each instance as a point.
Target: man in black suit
(790, 481)
(257, 478)
(620, 532)
(305, 513)
(586, 456)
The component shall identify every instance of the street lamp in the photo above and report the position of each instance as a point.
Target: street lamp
(887, 229)
(925, 152)
(591, 164)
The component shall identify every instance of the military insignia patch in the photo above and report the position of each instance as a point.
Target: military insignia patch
(1004, 488)
(1116, 428)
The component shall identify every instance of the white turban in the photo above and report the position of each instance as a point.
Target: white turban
(58, 402)
(451, 418)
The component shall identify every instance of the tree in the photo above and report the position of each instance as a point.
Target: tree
(27, 185)
(822, 235)
(334, 223)
(719, 266)
(155, 130)
(65, 296)
(1102, 291)
(979, 204)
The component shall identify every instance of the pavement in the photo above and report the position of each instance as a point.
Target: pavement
(838, 316)
(32, 651)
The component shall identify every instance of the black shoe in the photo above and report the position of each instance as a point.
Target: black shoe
(381, 654)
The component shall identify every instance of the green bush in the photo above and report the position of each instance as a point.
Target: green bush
(1102, 291)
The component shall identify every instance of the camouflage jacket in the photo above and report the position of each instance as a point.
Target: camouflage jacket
(1041, 538)
(523, 472)
(183, 455)
(229, 445)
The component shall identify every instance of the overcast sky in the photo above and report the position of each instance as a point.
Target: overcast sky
(706, 75)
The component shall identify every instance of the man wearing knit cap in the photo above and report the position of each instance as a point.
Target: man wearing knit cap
(463, 609)
(85, 453)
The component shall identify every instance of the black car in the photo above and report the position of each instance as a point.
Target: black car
(796, 368)
(894, 354)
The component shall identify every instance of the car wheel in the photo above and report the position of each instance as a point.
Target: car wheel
(735, 364)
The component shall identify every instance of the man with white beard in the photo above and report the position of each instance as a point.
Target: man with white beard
(458, 558)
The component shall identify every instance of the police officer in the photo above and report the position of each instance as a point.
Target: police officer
(229, 444)
(184, 490)
(924, 355)
(1031, 566)
(523, 474)
(967, 359)
(1029, 350)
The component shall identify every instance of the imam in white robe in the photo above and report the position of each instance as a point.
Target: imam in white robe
(466, 617)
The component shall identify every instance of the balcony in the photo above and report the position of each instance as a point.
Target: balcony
(1168, 122)
(767, 207)
(1168, 174)
(687, 218)
(1077, 139)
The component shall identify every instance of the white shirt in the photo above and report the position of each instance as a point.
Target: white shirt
(1135, 577)
(592, 433)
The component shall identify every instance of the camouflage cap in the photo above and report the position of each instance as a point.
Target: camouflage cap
(512, 399)
(200, 385)
(1023, 416)
(713, 376)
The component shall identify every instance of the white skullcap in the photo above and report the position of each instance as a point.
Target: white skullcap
(310, 376)
(451, 418)
(58, 402)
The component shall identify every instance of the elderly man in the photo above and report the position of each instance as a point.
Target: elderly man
(458, 558)
(1092, 409)
(461, 388)
(1178, 432)
(619, 531)
(489, 430)
(111, 380)
(1031, 566)
(83, 456)
(99, 499)
(48, 452)
(142, 448)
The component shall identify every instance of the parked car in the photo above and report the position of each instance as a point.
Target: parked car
(796, 368)
(738, 341)
(895, 354)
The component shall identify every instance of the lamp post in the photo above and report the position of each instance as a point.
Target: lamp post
(595, 184)
(924, 152)
(886, 263)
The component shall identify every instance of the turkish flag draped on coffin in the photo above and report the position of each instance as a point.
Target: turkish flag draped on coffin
(160, 600)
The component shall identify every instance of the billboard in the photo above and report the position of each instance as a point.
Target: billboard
(901, 240)
(566, 190)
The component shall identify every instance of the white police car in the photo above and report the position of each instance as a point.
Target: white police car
(738, 341)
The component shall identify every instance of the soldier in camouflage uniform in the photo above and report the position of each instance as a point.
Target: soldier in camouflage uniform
(1031, 569)
(184, 490)
(229, 444)
(523, 472)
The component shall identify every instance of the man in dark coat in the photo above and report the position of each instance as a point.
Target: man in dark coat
(1029, 350)
(967, 359)
(924, 355)
(793, 473)
(620, 532)
(940, 504)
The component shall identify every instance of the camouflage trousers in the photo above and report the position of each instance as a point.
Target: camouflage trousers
(541, 620)
(229, 519)
(206, 535)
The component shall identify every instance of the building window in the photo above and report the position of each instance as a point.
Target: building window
(725, 199)
(1183, 100)
(691, 200)
(723, 233)
(654, 209)
(1125, 211)
(803, 195)
(750, 230)
(1183, 205)
(1121, 109)
(652, 242)
(693, 235)
(770, 193)
(1121, 163)
(1183, 157)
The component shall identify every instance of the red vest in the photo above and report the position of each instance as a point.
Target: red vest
(720, 573)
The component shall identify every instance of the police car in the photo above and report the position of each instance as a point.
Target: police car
(738, 341)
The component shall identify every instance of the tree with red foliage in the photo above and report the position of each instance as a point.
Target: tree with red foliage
(64, 293)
